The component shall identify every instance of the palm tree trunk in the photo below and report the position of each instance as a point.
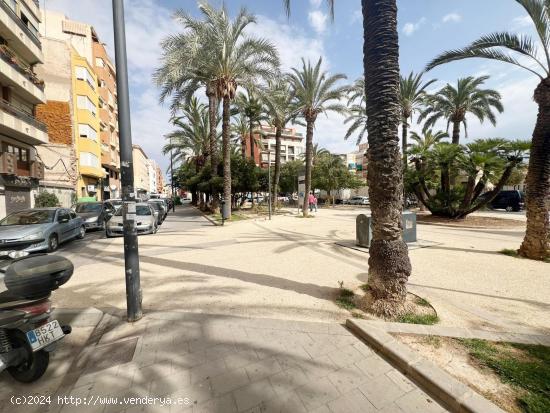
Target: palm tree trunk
(251, 131)
(404, 131)
(389, 264)
(536, 244)
(456, 133)
(243, 148)
(226, 153)
(277, 172)
(212, 117)
(309, 159)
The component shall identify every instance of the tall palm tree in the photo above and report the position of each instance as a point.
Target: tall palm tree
(425, 142)
(454, 103)
(240, 130)
(506, 47)
(250, 106)
(233, 59)
(389, 264)
(278, 99)
(315, 92)
(412, 95)
(357, 116)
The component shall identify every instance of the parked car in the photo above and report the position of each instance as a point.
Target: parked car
(162, 205)
(508, 200)
(146, 221)
(40, 229)
(115, 203)
(94, 214)
(359, 200)
(283, 199)
(158, 209)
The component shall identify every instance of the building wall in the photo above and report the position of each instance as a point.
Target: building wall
(141, 174)
(160, 181)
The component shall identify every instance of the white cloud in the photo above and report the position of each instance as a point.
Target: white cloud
(409, 28)
(315, 3)
(521, 22)
(452, 18)
(318, 20)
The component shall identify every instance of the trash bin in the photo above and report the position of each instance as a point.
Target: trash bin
(363, 229)
(363, 232)
(226, 210)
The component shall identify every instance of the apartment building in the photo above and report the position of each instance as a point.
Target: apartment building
(292, 145)
(108, 119)
(357, 160)
(80, 86)
(160, 181)
(21, 90)
(152, 174)
(141, 171)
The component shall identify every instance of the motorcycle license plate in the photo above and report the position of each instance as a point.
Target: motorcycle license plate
(44, 335)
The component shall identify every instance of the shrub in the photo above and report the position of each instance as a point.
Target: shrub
(46, 199)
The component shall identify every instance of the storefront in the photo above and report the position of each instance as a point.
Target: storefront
(16, 193)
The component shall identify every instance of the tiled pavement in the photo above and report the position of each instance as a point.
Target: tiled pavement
(228, 364)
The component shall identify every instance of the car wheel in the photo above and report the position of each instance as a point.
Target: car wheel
(35, 364)
(108, 234)
(102, 227)
(53, 243)
(81, 232)
(509, 208)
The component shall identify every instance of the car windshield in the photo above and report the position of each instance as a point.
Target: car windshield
(155, 206)
(31, 217)
(88, 208)
(115, 203)
(141, 210)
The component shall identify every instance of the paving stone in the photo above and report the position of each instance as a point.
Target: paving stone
(222, 404)
(347, 378)
(229, 381)
(197, 392)
(473, 402)
(286, 381)
(417, 401)
(321, 409)
(363, 348)
(346, 355)
(339, 329)
(319, 348)
(352, 402)
(189, 360)
(374, 366)
(207, 370)
(318, 367)
(262, 369)
(286, 403)
(317, 392)
(219, 350)
(381, 391)
(169, 383)
(240, 359)
(254, 394)
(401, 380)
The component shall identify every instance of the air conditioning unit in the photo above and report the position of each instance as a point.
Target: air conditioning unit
(91, 188)
(37, 170)
(8, 163)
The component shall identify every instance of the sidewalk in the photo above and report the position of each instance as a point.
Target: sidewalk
(211, 363)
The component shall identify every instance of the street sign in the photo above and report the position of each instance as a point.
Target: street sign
(301, 190)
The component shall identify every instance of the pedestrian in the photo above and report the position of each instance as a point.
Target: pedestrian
(311, 201)
(315, 202)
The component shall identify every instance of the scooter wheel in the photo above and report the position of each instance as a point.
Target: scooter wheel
(33, 367)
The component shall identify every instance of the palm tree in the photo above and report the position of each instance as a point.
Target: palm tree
(233, 59)
(278, 99)
(505, 47)
(389, 264)
(240, 130)
(453, 104)
(251, 107)
(412, 95)
(315, 92)
(358, 119)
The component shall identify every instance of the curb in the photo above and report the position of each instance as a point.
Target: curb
(207, 217)
(454, 395)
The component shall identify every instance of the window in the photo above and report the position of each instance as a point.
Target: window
(86, 131)
(89, 159)
(84, 74)
(21, 154)
(291, 150)
(84, 102)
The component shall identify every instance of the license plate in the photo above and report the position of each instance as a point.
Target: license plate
(44, 335)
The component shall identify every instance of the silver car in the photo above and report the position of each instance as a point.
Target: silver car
(40, 229)
(146, 221)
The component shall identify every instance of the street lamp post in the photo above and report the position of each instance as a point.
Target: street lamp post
(131, 252)
(269, 182)
(172, 178)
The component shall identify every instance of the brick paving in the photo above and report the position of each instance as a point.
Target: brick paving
(229, 364)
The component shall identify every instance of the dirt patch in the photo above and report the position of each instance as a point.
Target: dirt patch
(454, 358)
(416, 310)
(471, 221)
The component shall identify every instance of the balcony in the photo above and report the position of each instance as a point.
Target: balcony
(15, 73)
(21, 125)
(24, 39)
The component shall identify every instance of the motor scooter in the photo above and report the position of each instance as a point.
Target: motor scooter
(27, 335)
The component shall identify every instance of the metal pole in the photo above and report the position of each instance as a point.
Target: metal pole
(269, 181)
(131, 252)
(172, 178)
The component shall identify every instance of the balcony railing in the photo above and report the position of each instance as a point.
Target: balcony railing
(20, 114)
(33, 34)
(11, 58)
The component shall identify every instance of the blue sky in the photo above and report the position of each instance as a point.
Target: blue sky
(426, 27)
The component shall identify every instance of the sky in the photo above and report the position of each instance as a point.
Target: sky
(426, 28)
